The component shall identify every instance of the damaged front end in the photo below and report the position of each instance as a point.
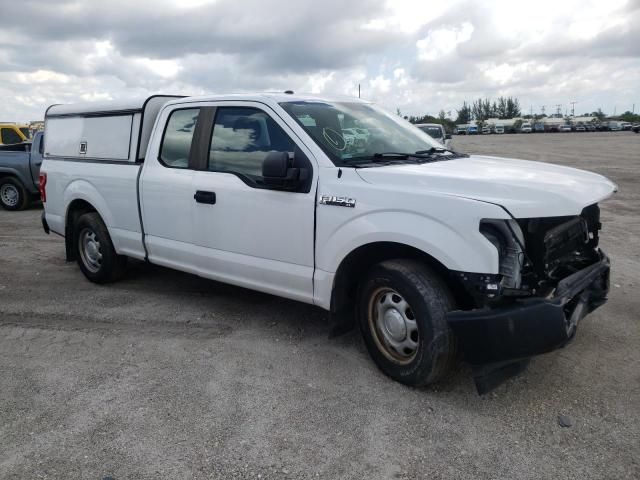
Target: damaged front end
(551, 275)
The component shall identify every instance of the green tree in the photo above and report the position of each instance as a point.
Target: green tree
(464, 114)
(502, 108)
(513, 107)
(629, 116)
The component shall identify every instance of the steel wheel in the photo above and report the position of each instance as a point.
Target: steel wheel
(90, 250)
(393, 325)
(9, 194)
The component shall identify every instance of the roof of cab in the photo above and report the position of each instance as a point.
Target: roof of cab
(269, 97)
(137, 104)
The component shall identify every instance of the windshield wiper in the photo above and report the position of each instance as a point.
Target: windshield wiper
(440, 150)
(400, 155)
(383, 158)
(421, 156)
(434, 150)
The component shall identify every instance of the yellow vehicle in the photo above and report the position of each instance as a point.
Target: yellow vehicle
(11, 133)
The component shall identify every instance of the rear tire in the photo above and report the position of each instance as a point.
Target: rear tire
(13, 195)
(95, 254)
(401, 311)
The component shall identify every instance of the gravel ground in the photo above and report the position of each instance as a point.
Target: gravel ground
(166, 375)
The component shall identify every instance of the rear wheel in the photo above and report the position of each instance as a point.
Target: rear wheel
(96, 256)
(13, 195)
(401, 309)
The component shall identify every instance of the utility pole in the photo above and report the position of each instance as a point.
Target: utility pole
(543, 109)
(573, 108)
(358, 90)
(558, 107)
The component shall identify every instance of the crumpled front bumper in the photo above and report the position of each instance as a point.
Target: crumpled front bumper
(497, 338)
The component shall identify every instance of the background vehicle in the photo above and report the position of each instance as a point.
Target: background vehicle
(461, 129)
(636, 127)
(11, 133)
(437, 132)
(422, 248)
(486, 130)
(526, 128)
(626, 125)
(614, 126)
(538, 127)
(19, 170)
(499, 128)
(580, 128)
(564, 128)
(472, 130)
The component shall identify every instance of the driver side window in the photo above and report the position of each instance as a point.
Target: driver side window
(241, 139)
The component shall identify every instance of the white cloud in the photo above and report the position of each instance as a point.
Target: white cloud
(420, 56)
(442, 41)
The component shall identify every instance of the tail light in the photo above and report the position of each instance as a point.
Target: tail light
(43, 186)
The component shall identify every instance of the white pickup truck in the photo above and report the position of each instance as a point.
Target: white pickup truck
(436, 255)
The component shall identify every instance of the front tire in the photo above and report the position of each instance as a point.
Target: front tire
(96, 256)
(13, 195)
(401, 310)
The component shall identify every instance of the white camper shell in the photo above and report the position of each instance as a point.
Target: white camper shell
(111, 132)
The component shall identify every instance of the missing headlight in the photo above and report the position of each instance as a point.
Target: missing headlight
(508, 239)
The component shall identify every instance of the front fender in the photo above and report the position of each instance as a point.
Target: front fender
(455, 242)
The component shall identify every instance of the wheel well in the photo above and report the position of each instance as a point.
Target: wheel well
(9, 175)
(355, 265)
(75, 209)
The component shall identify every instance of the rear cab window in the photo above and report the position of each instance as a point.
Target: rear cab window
(178, 135)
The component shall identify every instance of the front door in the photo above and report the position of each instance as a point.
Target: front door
(255, 236)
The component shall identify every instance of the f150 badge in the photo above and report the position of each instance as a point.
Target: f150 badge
(337, 201)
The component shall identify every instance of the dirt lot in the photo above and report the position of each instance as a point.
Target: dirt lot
(166, 375)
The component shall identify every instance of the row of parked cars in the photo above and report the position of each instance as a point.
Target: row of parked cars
(527, 127)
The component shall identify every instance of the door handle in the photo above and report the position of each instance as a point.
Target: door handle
(205, 197)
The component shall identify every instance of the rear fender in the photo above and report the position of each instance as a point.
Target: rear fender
(83, 190)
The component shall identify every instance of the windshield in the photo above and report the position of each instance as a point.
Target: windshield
(25, 131)
(349, 132)
(433, 132)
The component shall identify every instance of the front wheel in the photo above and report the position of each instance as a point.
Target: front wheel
(96, 256)
(401, 310)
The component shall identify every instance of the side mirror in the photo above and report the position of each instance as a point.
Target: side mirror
(447, 136)
(275, 165)
(277, 172)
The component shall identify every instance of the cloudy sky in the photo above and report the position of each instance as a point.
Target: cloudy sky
(420, 56)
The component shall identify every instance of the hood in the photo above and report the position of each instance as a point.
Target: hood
(526, 189)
